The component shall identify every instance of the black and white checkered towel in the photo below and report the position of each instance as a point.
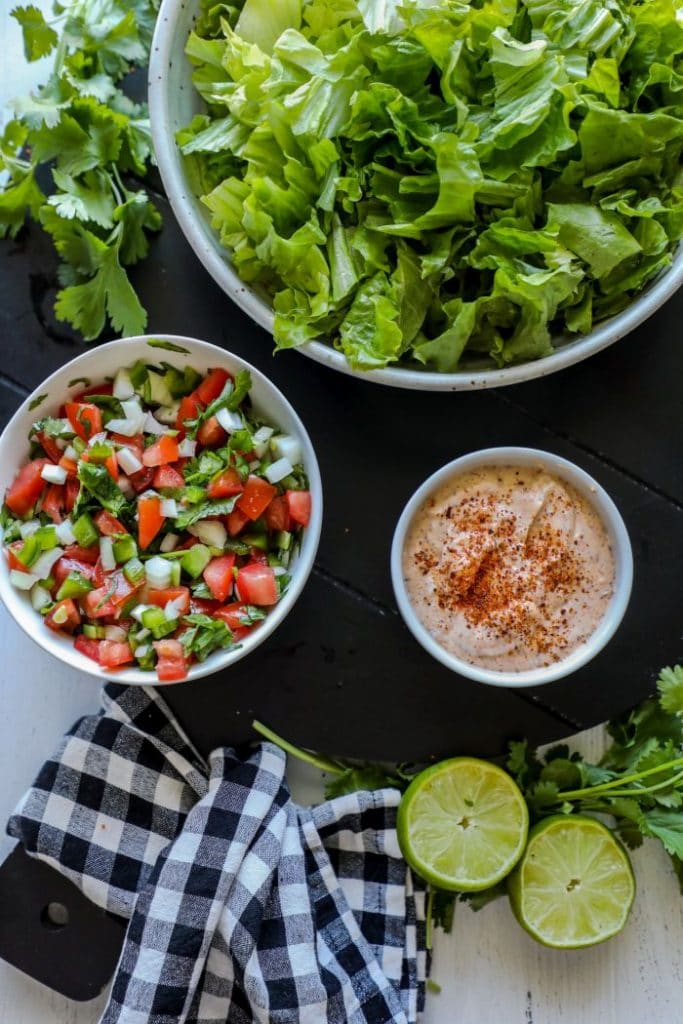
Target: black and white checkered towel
(244, 907)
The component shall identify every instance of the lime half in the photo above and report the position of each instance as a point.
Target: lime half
(574, 886)
(462, 824)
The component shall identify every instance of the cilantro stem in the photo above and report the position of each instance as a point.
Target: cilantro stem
(429, 921)
(644, 790)
(615, 784)
(317, 760)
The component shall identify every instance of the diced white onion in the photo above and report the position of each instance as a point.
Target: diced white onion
(53, 474)
(211, 532)
(40, 597)
(26, 529)
(168, 414)
(43, 566)
(22, 580)
(172, 611)
(61, 443)
(169, 508)
(287, 447)
(125, 486)
(142, 634)
(71, 453)
(65, 533)
(278, 470)
(263, 434)
(128, 460)
(254, 465)
(139, 611)
(127, 427)
(107, 554)
(131, 408)
(230, 421)
(158, 572)
(279, 570)
(142, 650)
(169, 543)
(97, 438)
(187, 448)
(123, 385)
(116, 633)
(152, 426)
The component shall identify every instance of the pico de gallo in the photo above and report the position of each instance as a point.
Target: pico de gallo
(156, 518)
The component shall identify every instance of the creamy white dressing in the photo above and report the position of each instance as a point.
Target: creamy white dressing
(508, 568)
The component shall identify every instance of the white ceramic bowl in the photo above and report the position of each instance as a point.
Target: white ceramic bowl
(103, 361)
(173, 102)
(592, 492)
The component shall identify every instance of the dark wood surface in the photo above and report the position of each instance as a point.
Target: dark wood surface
(342, 674)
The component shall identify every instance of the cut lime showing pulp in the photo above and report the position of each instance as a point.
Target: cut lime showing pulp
(574, 885)
(462, 824)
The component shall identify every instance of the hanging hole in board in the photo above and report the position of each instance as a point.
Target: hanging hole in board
(54, 916)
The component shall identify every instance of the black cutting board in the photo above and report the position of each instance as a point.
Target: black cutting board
(342, 674)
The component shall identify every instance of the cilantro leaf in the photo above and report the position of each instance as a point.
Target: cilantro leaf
(39, 37)
(15, 201)
(97, 482)
(368, 776)
(205, 635)
(670, 687)
(205, 509)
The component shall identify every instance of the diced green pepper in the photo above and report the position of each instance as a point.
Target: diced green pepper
(99, 452)
(94, 632)
(180, 384)
(195, 560)
(30, 551)
(175, 574)
(256, 540)
(85, 531)
(125, 549)
(134, 571)
(75, 585)
(78, 445)
(283, 540)
(156, 622)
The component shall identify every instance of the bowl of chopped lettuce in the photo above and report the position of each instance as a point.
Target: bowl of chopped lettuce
(436, 195)
(161, 510)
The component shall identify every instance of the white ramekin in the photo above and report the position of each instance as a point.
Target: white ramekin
(103, 361)
(593, 493)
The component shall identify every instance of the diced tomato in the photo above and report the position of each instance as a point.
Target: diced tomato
(162, 597)
(27, 487)
(71, 491)
(12, 551)
(95, 389)
(256, 497)
(136, 442)
(200, 606)
(218, 576)
(85, 418)
(212, 385)
(256, 584)
(112, 466)
(64, 566)
(277, 514)
(89, 555)
(163, 451)
(70, 623)
(168, 476)
(49, 446)
(97, 603)
(141, 480)
(109, 599)
(91, 648)
(299, 506)
(236, 522)
(231, 614)
(108, 525)
(225, 484)
(257, 555)
(69, 465)
(99, 576)
(211, 434)
(189, 543)
(54, 501)
(172, 663)
(150, 520)
(189, 409)
(114, 653)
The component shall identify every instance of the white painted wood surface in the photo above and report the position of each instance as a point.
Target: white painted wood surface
(490, 971)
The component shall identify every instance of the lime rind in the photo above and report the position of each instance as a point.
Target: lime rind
(462, 824)
(574, 886)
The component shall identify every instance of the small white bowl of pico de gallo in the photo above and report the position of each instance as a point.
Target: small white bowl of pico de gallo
(161, 510)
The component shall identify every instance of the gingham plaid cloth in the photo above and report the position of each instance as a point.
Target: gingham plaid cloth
(243, 906)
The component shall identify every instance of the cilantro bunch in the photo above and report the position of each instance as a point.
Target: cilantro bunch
(82, 131)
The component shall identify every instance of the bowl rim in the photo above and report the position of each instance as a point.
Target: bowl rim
(203, 241)
(62, 647)
(590, 490)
